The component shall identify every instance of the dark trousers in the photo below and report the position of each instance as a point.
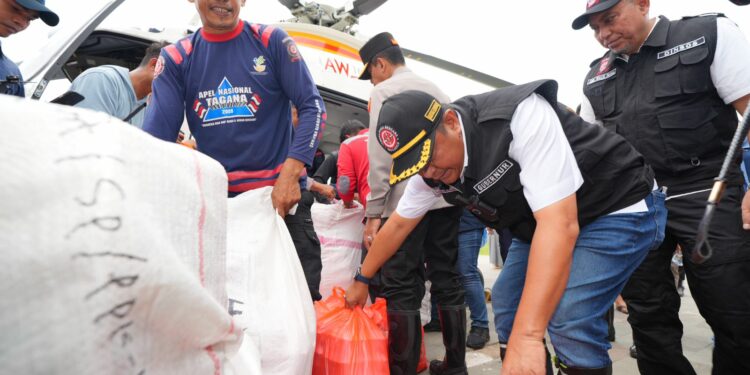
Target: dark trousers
(435, 242)
(374, 289)
(720, 287)
(306, 242)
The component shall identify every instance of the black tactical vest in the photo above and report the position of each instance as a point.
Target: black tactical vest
(663, 101)
(615, 175)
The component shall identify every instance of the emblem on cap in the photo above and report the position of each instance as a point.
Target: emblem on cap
(432, 111)
(591, 3)
(388, 138)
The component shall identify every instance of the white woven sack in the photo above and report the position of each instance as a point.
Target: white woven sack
(112, 248)
(267, 289)
(339, 230)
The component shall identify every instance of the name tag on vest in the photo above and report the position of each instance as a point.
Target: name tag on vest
(681, 48)
(493, 177)
(602, 77)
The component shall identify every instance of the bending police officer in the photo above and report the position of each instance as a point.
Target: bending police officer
(517, 160)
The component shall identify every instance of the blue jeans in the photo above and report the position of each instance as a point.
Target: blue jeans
(468, 251)
(606, 254)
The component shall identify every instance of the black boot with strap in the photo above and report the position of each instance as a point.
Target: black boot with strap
(453, 325)
(404, 341)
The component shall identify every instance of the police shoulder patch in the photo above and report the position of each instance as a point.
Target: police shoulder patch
(159, 66)
(291, 49)
(596, 61)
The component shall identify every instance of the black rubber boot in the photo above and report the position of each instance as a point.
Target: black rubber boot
(585, 371)
(404, 341)
(453, 325)
(548, 365)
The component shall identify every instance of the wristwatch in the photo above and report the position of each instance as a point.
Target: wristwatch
(358, 277)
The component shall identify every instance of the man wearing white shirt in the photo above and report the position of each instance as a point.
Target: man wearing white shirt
(518, 160)
(673, 89)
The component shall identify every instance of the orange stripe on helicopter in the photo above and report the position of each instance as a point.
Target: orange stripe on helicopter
(325, 44)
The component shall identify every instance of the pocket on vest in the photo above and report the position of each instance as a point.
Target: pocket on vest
(688, 134)
(602, 97)
(682, 73)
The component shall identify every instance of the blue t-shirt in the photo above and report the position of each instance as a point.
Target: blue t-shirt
(11, 82)
(236, 91)
(108, 89)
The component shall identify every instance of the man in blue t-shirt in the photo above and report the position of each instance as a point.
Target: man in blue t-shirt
(235, 83)
(15, 16)
(116, 91)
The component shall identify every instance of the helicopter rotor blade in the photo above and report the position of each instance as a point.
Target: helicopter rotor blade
(363, 7)
(291, 4)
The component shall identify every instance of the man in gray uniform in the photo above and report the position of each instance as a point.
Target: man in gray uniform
(435, 241)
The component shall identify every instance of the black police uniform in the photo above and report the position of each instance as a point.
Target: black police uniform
(663, 101)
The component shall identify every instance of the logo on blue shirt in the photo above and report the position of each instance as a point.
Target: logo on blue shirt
(227, 102)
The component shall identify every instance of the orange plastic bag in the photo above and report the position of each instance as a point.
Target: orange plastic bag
(422, 365)
(350, 341)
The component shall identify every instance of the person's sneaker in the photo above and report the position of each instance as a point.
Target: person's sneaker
(432, 326)
(478, 337)
(633, 352)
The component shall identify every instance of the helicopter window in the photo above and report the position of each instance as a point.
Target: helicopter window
(105, 48)
(339, 108)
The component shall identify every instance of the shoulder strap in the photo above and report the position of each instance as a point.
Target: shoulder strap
(137, 109)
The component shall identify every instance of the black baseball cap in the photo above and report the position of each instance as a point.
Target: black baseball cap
(375, 45)
(49, 17)
(406, 130)
(592, 6)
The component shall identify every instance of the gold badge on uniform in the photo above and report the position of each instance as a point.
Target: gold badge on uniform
(433, 111)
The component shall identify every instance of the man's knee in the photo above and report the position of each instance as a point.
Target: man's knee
(448, 296)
